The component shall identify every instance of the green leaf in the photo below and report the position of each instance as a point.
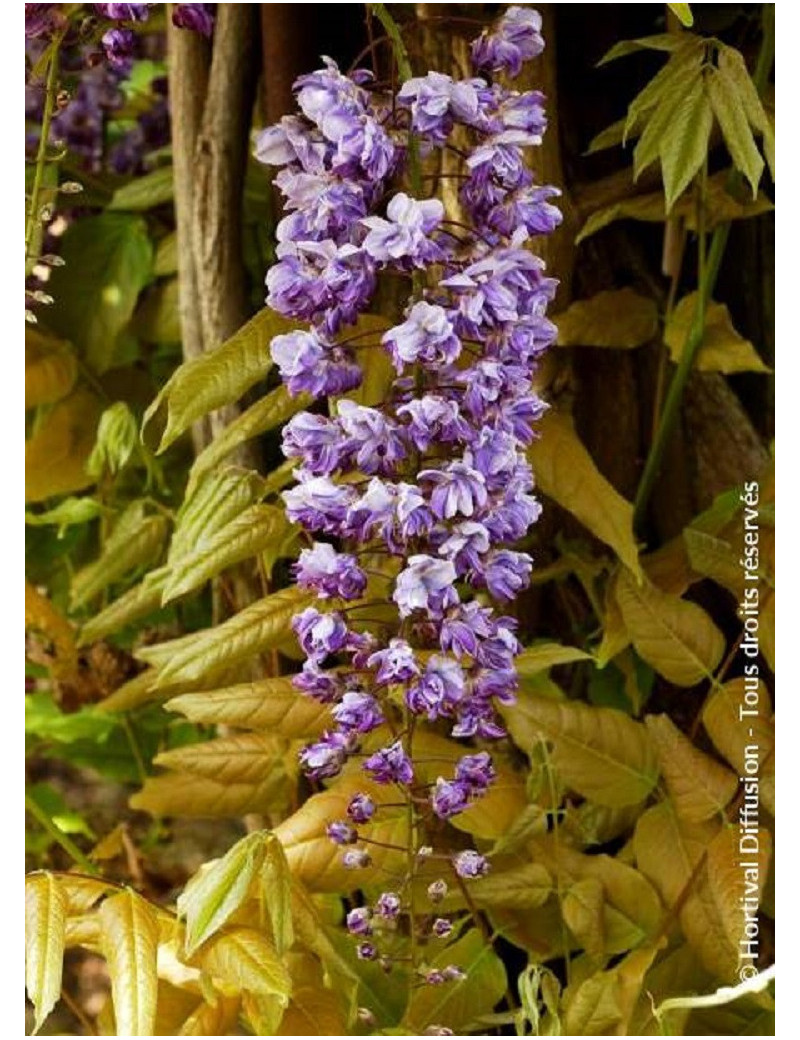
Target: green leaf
(722, 349)
(117, 439)
(108, 260)
(244, 958)
(542, 656)
(683, 146)
(136, 541)
(219, 889)
(45, 922)
(136, 603)
(615, 318)
(203, 655)
(274, 409)
(68, 512)
(144, 192)
(50, 368)
(456, 1004)
(608, 138)
(57, 452)
(661, 42)
(129, 942)
(683, 62)
(714, 558)
(661, 120)
(217, 377)
(271, 705)
(599, 752)
(732, 65)
(233, 759)
(276, 894)
(683, 12)
(44, 719)
(53, 805)
(565, 472)
(733, 122)
(212, 504)
(166, 258)
(158, 317)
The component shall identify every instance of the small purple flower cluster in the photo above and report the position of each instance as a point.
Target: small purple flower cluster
(436, 474)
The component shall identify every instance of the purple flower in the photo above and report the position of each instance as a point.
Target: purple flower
(198, 18)
(358, 712)
(433, 419)
(414, 516)
(437, 890)
(315, 439)
(42, 19)
(341, 833)
(118, 45)
(517, 38)
(470, 864)
(373, 512)
(406, 234)
(324, 686)
(361, 808)
(425, 337)
(366, 951)
(117, 12)
(359, 921)
(457, 489)
(330, 573)
(468, 541)
(396, 663)
(437, 102)
(440, 689)
(425, 584)
(506, 573)
(325, 758)
(377, 445)
(318, 504)
(476, 772)
(465, 628)
(449, 797)
(442, 928)
(388, 906)
(320, 634)
(309, 364)
(390, 764)
(356, 859)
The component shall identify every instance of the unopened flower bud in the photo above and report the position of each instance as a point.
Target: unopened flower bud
(437, 890)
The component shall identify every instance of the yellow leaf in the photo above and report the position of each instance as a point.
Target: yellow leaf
(458, 1003)
(603, 1004)
(56, 454)
(45, 920)
(599, 752)
(614, 318)
(243, 958)
(132, 694)
(542, 656)
(216, 378)
(565, 472)
(242, 758)
(676, 638)
(683, 12)
(722, 349)
(50, 368)
(737, 870)
(42, 616)
(204, 655)
(129, 941)
(217, 1019)
(273, 705)
(313, 1011)
(212, 895)
(82, 892)
(582, 907)
(188, 794)
(699, 786)
(142, 599)
(738, 718)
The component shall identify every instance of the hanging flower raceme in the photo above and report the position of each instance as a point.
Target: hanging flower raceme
(436, 474)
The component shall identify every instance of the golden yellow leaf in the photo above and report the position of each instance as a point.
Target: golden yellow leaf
(722, 349)
(564, 470)
(313, 1011)
(217, 1019)
(619, 318)
(699, 786)
(273, 705)
(142, 599)
(242, 758)
(56, 454)
(243, 958)
(737, 870)
(129, 941)
(132, 694)
(738, 718)
(601, 753)
(582, 907)
(50, 368)
(42, 616)
(542, 656)
(45, 923)
(187, 794)
(603, 1004)
(675, 637)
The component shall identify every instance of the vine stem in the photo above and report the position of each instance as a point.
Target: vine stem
(41, 154)
(707, 280)
(64, 840)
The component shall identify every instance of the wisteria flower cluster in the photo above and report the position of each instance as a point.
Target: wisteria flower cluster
(435, 475)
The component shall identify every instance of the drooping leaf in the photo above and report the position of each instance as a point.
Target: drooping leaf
(699, 786)
(117, 440)
(661, 42)
(132, 605)
(244, 958)
(733, 122)
(684, 144)
(599, 752)
(136, 541)
(714, 558)
(218, 890)
(132, 694)
(542, 656)
(613, 318)
(722, 349)
(669, 83)
(313, 1011)
(252, 532)
(238, 758)
(270, 411)
(603, 1004)
(276, 894)
(129, 941)
(68, 513)
(732, 65)
(582, 906)
(660, 120)
(738, 718)
(158, 317)
(212, 503)
(676, 638)
(565, 472)
(683, 12)
(108, 262)
(272, 705)
(144, 192)
(188, 794)
(217, 377)
(218, 1019)
(56, 454)
(50, 368)
(202, 656)
(459, 1003)
(45, 919)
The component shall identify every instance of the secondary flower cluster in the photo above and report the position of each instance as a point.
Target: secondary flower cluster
(436, 474)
